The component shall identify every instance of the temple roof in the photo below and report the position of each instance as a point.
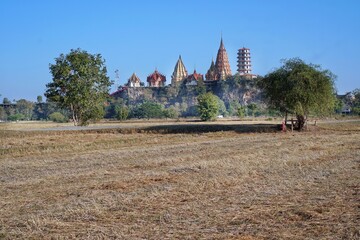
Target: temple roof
(211, 73)
(134, 78)
(195, 76)
(156, 76)
(179, 71)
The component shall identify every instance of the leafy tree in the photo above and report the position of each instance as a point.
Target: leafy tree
(80, 84)
(16, 117)
(148, 110)
(356, 101)
(299, 88)
(25, 108)
(3, 115)
(222, 107)
(171, 112)
(57, 117)
(39, 99)
(208, 106)
(252, 107)
(6, 101)
(122, 112)
(241, 111)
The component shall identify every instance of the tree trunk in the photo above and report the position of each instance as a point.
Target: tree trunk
(74, 116)
(300, 122)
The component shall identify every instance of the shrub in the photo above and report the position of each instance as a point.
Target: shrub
(208, 106)
(57, 117)
(121, 112)
(16, 117)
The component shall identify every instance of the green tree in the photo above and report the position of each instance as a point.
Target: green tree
(57, 117)
(222, 107)
(252, 107)
(80, 84)
(6, 101)
(3, 115)
(39, 99)
(148, 110)
(171, 112)
(299, 88)
(25, 108)
(356, 101)
(208, 106)
(241, 111)
(121, 112)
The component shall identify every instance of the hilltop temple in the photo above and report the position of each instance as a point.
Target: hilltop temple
(219, 70)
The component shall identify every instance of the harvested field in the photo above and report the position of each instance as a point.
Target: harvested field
(156, 182)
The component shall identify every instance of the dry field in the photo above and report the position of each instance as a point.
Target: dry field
(180, 182)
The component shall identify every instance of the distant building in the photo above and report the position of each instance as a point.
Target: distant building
(193, 79)
(156, 79)
(222, 66)
(179, 73)
(133, 81)
(211, 73)
(244, 63)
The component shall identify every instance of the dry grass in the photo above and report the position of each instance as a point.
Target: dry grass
(103, 184)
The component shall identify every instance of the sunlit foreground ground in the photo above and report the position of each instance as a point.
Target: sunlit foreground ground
(223, 180)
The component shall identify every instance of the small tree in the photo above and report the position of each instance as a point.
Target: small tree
(25, 108)
(121, 112)
(57, 117)
(252, 107)
(79, 84)
(299, 88)
(208, 106)
(241, 111)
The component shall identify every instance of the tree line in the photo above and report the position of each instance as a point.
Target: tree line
(79, 91)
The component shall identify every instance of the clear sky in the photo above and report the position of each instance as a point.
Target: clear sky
(139, 36)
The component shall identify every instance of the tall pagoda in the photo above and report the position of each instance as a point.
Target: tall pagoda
(244, 63)
(156, 79)
(179, 73)
(222, 66)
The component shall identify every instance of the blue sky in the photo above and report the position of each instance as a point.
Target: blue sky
(139, 36)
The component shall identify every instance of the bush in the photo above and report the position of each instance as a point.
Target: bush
(208, 106)
(171, 112)
(121, 112)
(16, 117)
(241, 111)
(148, 110)
(57, 117)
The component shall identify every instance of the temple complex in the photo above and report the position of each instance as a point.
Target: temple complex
(179, 73)
(193, 79)
(222, 66)
(156, 79)
(133, 81)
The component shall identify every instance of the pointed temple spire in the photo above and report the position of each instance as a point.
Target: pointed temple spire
(222, 63)
(211, 73)
(180, 72)
(221, 69)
